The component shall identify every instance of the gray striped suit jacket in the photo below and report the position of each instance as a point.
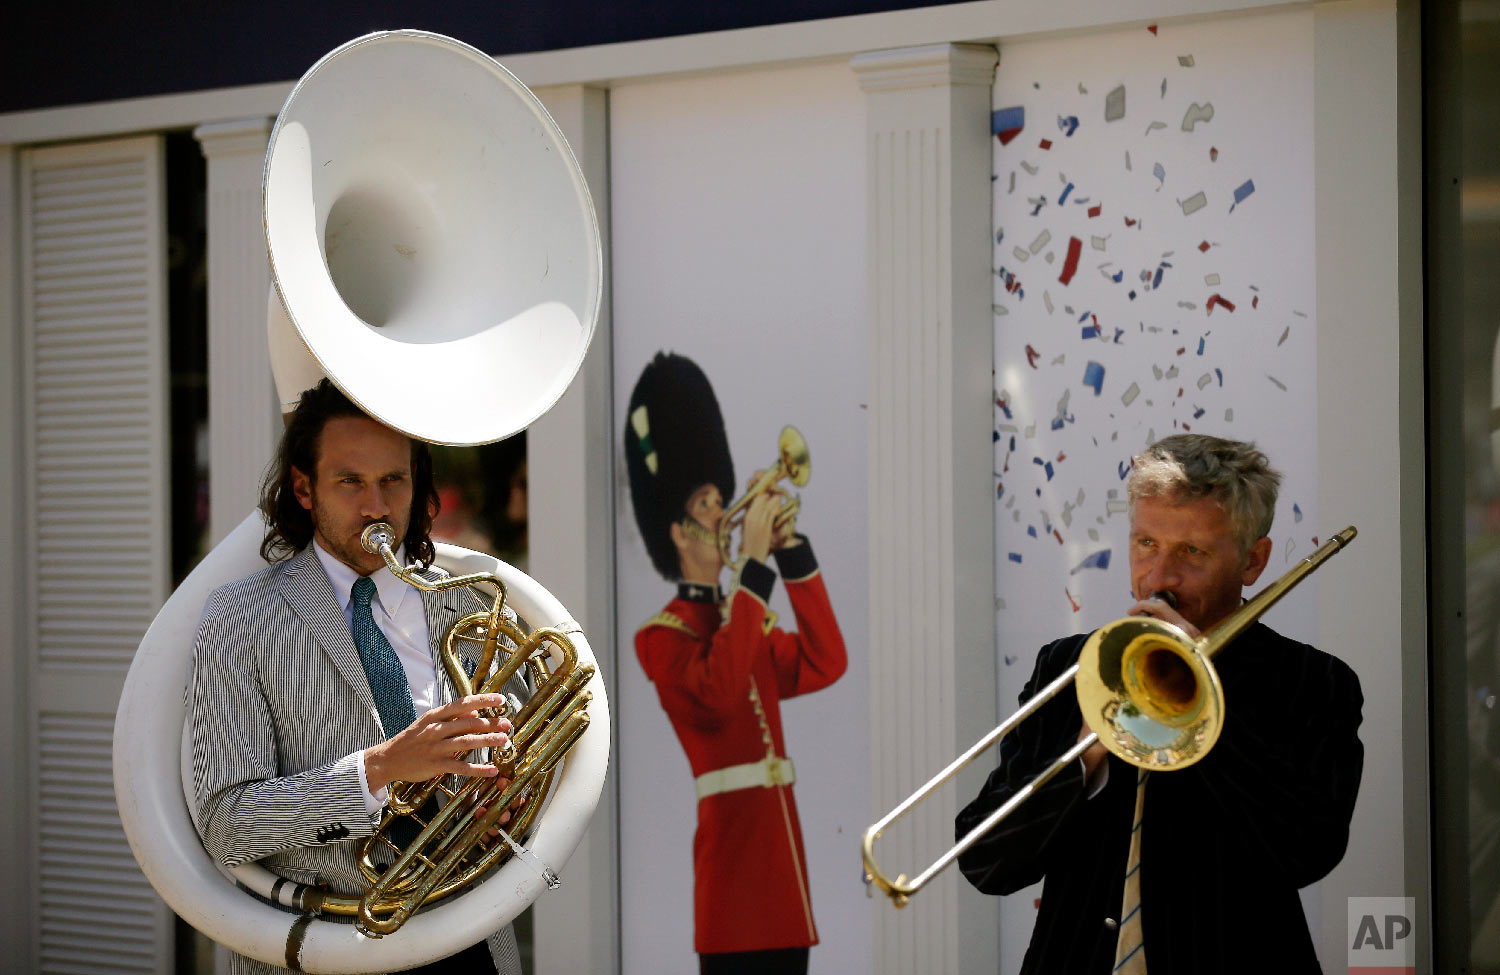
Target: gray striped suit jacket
(278, 702)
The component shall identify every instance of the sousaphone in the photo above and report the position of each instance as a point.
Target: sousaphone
(434, 251)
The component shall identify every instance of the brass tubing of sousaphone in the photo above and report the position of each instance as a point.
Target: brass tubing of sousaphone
(567, 687)
(1149, 636)
(429, 863)
(561, 673)
(473, 835)
(407, 797)
(451, 849)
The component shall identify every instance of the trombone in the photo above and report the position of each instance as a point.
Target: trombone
(792, 463)
(1147, 691)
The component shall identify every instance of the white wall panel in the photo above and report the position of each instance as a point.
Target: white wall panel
(738, 209)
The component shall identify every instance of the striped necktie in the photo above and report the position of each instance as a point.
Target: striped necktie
(1130, 949)
(383, 668)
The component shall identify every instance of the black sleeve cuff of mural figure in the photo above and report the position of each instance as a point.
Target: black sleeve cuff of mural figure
(797, 562)
(758, 578)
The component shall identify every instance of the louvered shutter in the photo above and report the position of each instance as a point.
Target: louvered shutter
(96, 489)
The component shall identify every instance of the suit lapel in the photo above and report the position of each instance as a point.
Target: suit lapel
(306, 588)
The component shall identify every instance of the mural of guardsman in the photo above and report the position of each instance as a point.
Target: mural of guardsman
(721, 667)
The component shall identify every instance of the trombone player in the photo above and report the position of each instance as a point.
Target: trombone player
(1194, 870)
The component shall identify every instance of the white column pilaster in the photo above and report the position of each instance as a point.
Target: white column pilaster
(243, 421)
(932, 648)
(571, 552)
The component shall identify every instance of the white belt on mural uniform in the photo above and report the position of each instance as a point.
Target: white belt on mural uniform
(769, 771)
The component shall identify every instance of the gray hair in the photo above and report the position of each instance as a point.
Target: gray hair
(1189, 466)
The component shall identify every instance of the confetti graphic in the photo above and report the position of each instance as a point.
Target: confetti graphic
(1093, 375)
(1099, 560)
(1114, 104)
(1184, 311)
(1007, 123)
(1242, 191)
(1197, 113)
(1070, 265)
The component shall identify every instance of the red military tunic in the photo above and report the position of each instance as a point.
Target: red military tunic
(722, 686)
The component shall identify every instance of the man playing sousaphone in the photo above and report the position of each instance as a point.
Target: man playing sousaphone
(314, 682)
(449, 303)
(721, 668)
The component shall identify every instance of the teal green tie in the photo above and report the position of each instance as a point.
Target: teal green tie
(383, 668)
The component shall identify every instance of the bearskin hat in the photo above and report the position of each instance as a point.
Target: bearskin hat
(674, 444)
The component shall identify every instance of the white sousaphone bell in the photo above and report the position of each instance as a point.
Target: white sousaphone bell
(436, 251)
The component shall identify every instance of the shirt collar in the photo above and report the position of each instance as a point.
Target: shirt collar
(389, 589)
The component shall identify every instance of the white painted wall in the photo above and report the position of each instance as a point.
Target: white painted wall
(739, 241)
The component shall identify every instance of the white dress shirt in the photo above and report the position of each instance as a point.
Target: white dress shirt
(397, 609)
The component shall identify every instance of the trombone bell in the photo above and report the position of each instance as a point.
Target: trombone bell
(1149, 693)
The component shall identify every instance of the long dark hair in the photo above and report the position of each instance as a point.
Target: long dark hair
(290, 524)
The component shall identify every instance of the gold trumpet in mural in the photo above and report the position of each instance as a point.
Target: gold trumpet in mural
(793, 464)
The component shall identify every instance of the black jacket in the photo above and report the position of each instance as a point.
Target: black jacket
(1226, 843)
